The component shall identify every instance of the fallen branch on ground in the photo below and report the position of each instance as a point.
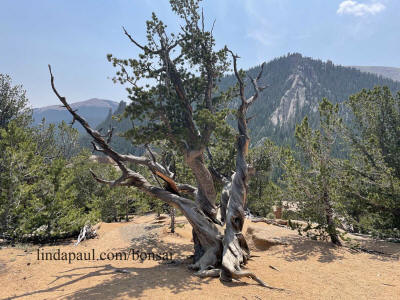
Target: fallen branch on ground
(87, 232)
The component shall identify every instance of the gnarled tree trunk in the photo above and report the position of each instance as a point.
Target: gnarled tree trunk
(235, 249)
(205, 196)
(219, 254)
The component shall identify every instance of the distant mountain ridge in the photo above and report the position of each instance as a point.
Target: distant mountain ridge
(93, 110)
(296, 85)
(388, 72)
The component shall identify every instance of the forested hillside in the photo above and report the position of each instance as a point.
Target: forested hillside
(119, 125)
(282, 181)
(296, 85)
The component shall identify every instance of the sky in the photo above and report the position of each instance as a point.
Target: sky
(74, 36)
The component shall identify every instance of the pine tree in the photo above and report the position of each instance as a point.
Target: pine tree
(374, 164)
(314, 184)
(184, 107)
(13, 102)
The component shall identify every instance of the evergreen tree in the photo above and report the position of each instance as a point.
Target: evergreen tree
(314, 185)
(183, 107)
(262, 192)
(13, 102)
(20, 167)
(374, 164)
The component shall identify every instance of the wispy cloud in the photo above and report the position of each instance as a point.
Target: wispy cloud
(259, 27)
(357, 9)
(264, 37)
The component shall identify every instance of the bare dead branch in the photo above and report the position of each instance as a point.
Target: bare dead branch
(261, 72)
(144, 48)
(93, 133)
(122, 181)
(240, 274)
(95, 148)
(251, 118)
(238, 77)
(150, 152)
(212, 27)
(256, 87)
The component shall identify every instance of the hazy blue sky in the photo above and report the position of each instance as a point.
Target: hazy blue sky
(75, 36)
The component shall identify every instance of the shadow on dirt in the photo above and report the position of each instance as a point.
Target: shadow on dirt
(130, 281)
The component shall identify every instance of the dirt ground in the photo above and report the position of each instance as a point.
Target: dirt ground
(306, 269)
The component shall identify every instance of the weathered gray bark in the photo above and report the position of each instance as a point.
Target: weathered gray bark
(219, 254)
(194, 145)
(206, 194)
(225, 194)
(207, 232)
(226, 186)
(235, 249)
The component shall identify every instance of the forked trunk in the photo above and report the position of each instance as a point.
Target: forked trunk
(205, 196)
(236, 252)
(217, 254)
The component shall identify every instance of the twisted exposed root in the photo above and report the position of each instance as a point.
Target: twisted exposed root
(240, 274)
(208, 273)
(236, 275)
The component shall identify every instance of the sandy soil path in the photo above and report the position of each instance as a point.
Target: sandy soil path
(306, 269)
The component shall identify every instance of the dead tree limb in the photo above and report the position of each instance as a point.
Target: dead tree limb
(235, 250)
(87, 232)
(221, 255)
(207, 232)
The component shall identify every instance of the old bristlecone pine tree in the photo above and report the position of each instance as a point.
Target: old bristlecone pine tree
(183, 108)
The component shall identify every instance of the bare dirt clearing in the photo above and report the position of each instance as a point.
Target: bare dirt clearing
(306, 269)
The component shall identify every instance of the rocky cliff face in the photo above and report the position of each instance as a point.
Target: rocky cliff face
(296, 86)
(291, 102)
